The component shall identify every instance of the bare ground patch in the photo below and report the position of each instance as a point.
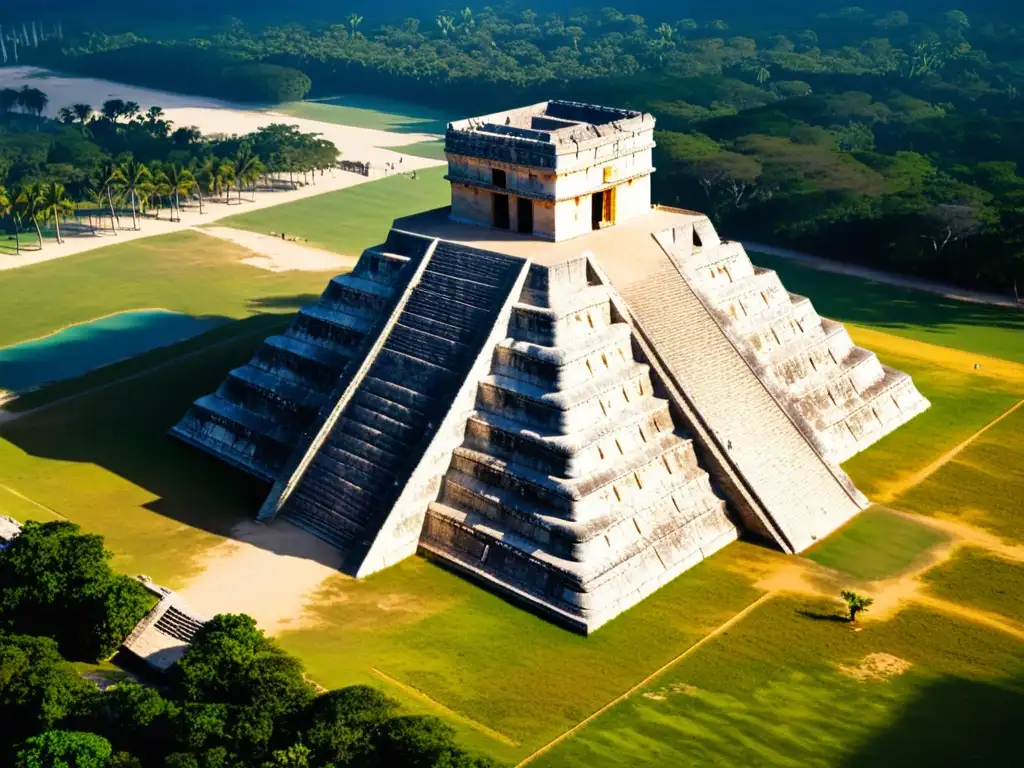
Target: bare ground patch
(271, 572)
(876, 668)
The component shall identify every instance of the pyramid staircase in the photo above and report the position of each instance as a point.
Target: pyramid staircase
(345, 481)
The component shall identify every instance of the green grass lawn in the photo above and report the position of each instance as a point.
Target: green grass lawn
(104, 460)
(773, 692)
(432, 150)
(876, 544)
(186, 272)
(350, 220)
(514, 673)
(983, 485)
(979, 579)
(370, 112)
(985, 330)
(962, 404)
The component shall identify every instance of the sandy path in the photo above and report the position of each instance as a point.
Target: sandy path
(277, 255)
(271, 572)
(190, 218)
(878, 276)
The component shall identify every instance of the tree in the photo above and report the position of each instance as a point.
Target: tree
(32, 100)
(419, 741)
(8, 100)
(181, 182)
(57, 582)
(230, 661)
(953, 222)
(246, 167)
(64, 749)
(354, 20)
(7, 208)
(112, 109)
(56, 203)
(108, 177)
(856, 603)
(342, 725)
(82, 112)
(136, 181)
(726, 178)
(29, 203)
(38, 688)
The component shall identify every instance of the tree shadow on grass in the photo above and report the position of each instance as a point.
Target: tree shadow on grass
(820, 616)
(953, 722)
(122, 427)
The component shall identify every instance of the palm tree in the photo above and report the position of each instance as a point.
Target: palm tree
(136, 181)
(65, 115)
(7, 208)
(131, 110)
(82, 112)
(28, 202)
(246, 168)
(108, 178)
(55, 202)
(33, 100)
(446, 24)
(354, 20)
(180, 180)
(113, 109)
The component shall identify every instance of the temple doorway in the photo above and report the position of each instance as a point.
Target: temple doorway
(602, 206)
(524, 217)
(499, 211)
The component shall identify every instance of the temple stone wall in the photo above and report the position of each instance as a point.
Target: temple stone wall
(841, 396)
(574, 490)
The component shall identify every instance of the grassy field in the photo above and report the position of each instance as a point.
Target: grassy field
(782, 689)
(184, 272)
(769, 690)
(963, 402)
(876, 544)
(977, 328)
(432, 150)
(981, 580)
(983, 485)
(369, 112)
(350, 220)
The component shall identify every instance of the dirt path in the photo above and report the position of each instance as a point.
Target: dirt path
(279, 255)
(272, 572)
(906, 483)
(657, 673)
(879, 276)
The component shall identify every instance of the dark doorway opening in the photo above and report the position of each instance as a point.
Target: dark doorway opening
(524, 218)
(499, 211)
(498, 178)
(601, 209)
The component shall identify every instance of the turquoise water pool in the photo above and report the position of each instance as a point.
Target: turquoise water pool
(81, 348)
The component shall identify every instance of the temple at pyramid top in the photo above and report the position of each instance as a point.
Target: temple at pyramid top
(555, 170)
(553, 387)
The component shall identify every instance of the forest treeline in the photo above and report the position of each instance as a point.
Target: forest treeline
(881, 136)
(234, 700)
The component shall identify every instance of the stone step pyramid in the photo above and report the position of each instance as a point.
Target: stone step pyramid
(552, 387)
(575, 489)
